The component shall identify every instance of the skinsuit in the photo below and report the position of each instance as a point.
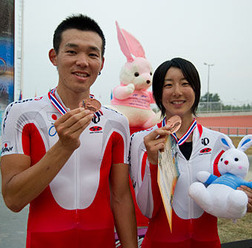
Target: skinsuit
(191, 226)
(74, 210)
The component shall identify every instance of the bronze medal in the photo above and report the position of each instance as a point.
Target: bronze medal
(91, 104)
(174, 123)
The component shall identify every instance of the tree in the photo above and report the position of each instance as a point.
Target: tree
(215, 105)
(212, 98)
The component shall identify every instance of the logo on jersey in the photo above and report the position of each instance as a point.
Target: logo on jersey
(52, 131)
(149, 129)
(38, 98)
(205, 141)
(52, 117)
(95, 129)
(6, 148)
(96, 119)
(205, 150)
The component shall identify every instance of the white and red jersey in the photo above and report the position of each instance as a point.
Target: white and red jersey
(191, 226)
(74, 210)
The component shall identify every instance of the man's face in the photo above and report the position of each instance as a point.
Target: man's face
(79, 60)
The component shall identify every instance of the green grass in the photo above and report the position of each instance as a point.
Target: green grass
(230, 231)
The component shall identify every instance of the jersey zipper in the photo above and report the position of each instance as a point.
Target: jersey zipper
(77, 187)
(190, 203)
(190, 212)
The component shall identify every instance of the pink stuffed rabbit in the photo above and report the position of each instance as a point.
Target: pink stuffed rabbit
(132, 97)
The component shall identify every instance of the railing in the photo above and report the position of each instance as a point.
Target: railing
(233, 131)
(219, 107)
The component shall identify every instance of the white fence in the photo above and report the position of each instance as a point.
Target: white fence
(211, 107)
(233, 131)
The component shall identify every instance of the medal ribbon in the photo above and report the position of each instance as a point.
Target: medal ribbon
(56, 103)
(183, 139)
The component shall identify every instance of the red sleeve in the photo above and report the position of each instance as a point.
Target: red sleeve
(118, 149)
(155, 189)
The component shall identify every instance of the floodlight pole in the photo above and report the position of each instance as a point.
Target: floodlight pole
(208, 80)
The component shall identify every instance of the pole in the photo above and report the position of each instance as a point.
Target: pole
(208, 80)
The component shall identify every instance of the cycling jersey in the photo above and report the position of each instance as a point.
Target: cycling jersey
(191, 226)
(74, 210)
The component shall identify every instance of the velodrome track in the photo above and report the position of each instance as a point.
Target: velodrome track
(226, 121)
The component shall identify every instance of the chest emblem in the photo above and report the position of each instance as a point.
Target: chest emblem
(205, 150)
(95, 129)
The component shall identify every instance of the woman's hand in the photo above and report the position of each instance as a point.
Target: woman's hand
(154, 142)
(248, 191)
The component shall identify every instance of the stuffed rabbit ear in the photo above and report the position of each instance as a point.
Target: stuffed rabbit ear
(226, 142)
(222, 144)
(129, 44)
(134, 45)
(123, 44)
(245, 143)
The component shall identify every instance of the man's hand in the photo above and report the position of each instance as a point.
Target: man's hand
(70, 126)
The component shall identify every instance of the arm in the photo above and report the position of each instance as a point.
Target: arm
(123, 91)
(21, 182)
(206, 177)
(144, 173)
(148, 197)
(122, 205)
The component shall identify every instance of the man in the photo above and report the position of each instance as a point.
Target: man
(69, 162)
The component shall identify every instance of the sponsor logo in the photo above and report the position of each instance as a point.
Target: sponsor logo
(95, 129)
(96, 119)
(6, 148)
(52, 131)
(205, 141)
(149, 129)
(205, 150)
(52, 117)
(38, 98)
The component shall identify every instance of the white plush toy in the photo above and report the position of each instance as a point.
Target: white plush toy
(221, 197)
(132, 97)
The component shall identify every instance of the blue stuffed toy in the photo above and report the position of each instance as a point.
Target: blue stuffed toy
(219, 195)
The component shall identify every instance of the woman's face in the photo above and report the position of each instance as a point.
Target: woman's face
(178, 96)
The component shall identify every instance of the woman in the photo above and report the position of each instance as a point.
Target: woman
(176, 89)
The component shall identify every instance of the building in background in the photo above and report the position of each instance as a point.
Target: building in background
(11, 23)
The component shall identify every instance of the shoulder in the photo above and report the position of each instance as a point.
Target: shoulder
(213, 138)
(137, 138)
(210, 131)
(28, 103)
(20, 107)
(114, 115)
(113, 120)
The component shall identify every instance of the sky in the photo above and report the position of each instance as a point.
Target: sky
(217, 32)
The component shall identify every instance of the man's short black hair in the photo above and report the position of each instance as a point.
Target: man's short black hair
(80, 22)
